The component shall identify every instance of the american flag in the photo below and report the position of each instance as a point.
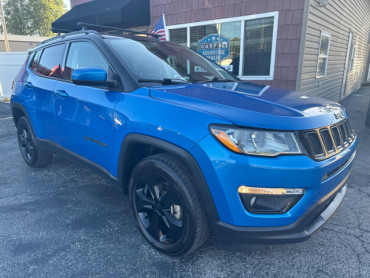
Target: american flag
(159, 29)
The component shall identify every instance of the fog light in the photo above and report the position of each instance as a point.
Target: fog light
(269, 200)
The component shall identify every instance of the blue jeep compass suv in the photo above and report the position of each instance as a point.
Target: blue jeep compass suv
(199, 152)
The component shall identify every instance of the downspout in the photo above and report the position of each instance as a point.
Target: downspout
(302, 44)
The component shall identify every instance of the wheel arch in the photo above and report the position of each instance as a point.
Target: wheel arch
(18, 111)
(136, 147)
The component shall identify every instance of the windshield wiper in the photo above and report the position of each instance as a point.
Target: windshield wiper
(164, 81)
(215, 79)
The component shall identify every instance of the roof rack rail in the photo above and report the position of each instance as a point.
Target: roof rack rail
(108, 28)
(67, 34)
(59, 30)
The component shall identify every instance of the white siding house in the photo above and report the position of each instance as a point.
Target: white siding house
(334, 57)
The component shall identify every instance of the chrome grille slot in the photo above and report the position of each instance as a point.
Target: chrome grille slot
(343, 133)
(324, 142)
(314, 142)
(327, 140)
(348, 130)
(336, 136)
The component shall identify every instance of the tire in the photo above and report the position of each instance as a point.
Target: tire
(166, 206)
(31, 153)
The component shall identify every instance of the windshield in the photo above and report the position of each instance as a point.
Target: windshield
(166, 63)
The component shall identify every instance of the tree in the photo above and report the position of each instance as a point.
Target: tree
(16, 17)
(45, 12)
(32, 17)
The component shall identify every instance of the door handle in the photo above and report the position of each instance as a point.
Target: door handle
(61, 93)
(28, 85)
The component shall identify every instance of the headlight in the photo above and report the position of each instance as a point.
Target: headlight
(257, 142)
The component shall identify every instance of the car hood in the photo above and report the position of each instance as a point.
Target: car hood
(253, 105)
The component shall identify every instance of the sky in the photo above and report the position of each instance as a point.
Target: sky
(67, 3)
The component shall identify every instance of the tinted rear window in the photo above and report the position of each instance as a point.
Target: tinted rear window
(50, 64)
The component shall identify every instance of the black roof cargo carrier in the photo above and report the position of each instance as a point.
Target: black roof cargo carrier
(114, 13)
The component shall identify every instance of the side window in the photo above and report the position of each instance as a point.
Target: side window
(353, 54)
(35, 61)
(50, 64)
(322, 61)
(84, 55)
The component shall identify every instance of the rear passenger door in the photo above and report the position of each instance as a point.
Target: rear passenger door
(84, 114)
(44, 71)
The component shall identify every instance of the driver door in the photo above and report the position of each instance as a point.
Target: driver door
(84, 114)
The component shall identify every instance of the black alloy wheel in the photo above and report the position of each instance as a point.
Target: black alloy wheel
(31, 153)
(166, 206)
(26, 144)
(159, 208)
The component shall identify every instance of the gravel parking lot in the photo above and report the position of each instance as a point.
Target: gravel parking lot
(65, 221)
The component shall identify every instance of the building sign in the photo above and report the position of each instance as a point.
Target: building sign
(215, 47)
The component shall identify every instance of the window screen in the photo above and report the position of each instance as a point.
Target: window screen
(353, 55)
(84, 55)
(322, 62)
(179, 36)
(51, 61)
(258, 46)
(199, 32)
(232, 31)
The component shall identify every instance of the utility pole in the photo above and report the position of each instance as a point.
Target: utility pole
(7, 48)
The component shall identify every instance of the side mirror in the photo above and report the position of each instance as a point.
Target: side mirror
(92, 77)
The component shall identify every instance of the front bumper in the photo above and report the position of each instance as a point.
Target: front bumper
(323, 182)
(304, 228)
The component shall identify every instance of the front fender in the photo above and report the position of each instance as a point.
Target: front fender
(181, 154)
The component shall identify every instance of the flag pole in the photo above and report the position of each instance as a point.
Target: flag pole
(7, 48)
(165, 27)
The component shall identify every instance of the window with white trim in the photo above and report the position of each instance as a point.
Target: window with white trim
(251, 43)
(322, 62)
(353, 55)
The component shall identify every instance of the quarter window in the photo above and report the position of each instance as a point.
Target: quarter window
(35, 61)
(322, 62)
(84, 55)
(51, 61)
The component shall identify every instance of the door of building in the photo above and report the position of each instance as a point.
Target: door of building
(368, 66)
(347, 64)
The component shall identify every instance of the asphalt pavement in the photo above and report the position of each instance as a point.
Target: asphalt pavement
(65, 221)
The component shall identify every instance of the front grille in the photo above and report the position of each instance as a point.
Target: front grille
(327, 141)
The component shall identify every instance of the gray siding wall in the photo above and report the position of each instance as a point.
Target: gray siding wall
(338, 18)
